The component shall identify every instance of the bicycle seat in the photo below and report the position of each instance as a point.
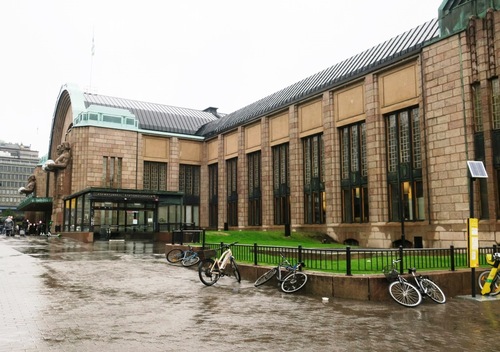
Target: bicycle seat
(412, 270)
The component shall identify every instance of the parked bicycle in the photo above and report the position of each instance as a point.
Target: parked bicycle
(289, 276)
(186, 257)
(211, 270)
(489, 281)
(410, 295)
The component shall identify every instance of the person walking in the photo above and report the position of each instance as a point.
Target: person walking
(9, 226)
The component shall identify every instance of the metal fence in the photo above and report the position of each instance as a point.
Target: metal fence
(357, 261)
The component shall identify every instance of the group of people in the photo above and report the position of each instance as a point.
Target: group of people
(10, 228)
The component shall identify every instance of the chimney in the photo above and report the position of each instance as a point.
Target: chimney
(213, 111)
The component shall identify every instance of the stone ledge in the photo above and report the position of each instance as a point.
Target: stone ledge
(373, 287)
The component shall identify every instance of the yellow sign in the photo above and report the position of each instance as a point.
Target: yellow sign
(473, 229)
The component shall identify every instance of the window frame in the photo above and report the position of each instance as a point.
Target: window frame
(354, 173)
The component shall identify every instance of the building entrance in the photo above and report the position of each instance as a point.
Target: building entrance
(118, 214)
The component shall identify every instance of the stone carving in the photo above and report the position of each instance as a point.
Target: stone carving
(63, 159)
(30, 186)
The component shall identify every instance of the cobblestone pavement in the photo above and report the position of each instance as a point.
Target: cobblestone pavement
(62, 295)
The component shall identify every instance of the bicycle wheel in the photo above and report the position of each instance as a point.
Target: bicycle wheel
(190, 260)
(495, 285)
(265, 277)
(482, 278)
(293, 282)
(175, 255)
(433, 291)
(208, 274)
(405, 293)
(235, 271)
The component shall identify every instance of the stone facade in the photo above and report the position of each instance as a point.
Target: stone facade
(437, 80)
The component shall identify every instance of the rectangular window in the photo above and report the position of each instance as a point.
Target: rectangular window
(189, 180)
(213, 195)
(354, 173)
(479, 149)
(189, 184)
(111, 172)
(477, 107)
(404, 166)
(254, 191)
(495, 134)
(232, 191)
(155, 176)
(281, 186)
(495, 102)
(314, 188)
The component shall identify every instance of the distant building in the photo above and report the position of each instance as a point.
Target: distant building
(17, 164)
(371, 151)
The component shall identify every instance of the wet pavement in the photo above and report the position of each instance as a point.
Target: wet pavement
(61, 295)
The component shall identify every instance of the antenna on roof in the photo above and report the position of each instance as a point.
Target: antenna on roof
(92, 52)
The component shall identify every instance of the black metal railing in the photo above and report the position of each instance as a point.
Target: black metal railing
(354, 260)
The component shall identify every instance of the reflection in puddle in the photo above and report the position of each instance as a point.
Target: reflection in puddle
(68, 249)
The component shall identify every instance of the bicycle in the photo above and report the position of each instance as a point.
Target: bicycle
(407, 294)
(211, 270)
(489, 281)
(290, 281)
(187, 257)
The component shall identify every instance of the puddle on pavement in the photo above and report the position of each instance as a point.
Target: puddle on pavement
(68, 249)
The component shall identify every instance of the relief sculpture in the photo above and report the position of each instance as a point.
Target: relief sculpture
(30, 186)
(63, 159)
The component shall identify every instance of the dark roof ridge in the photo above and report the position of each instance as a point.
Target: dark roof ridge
(407, 43)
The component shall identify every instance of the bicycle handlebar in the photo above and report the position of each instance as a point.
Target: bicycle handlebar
(228, 245)
(288, 265)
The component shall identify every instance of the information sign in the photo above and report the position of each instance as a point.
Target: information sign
(473, 242)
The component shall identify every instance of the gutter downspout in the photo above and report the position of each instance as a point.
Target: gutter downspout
(463, 96)
(422, 79)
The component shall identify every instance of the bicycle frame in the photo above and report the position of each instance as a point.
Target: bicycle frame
(289, 268)
(493, 272)
(222, 261)
(291, 279)
(210, 270)
(188, 252)
(417, 279)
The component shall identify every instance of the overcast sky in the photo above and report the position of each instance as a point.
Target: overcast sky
(188, 53)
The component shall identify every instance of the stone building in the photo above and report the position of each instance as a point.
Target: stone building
(372, 150)
(17, 163)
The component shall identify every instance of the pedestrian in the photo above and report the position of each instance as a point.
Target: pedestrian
(32, 229)
(9, 226)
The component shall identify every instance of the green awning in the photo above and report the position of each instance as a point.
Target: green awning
(35, 204)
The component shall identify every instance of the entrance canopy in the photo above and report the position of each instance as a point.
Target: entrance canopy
(43, 204)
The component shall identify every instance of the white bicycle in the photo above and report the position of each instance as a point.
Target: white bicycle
(211, 270)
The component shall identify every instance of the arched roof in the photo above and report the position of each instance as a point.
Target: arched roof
(207, 123)
(155, 117)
